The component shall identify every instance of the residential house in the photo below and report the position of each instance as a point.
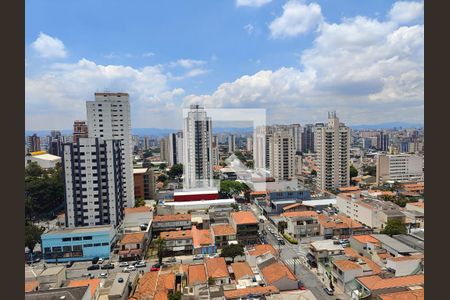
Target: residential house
(94, 285)
(297, 207)
(302, 224)
(259, 291)
(340, 226)
(178, 242)
(223, 234)
(246, 226)
(279, 275)
(203, 241)
(405, 265)
(132, 246)
(216, 269)
(243, 274)
(415, 294)
(251, 253)
(370, 287)
(171, 222)
(197, 281)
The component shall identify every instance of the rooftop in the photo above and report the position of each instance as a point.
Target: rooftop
(406, 258)
(299, 214)
(365, 238)
(171, 218)
(146, 286)
(80, 230)
(176, 234)
(261, 249)
(196, 274)
(73, 293)
(338, 221)
(256, 291)
(195, 192)
(133, 238)
(375, 282)
(295, 205)
(244, 217)
(393, 243)
(275, 272)
(223, 229)
(140, 171)
(326, 245)
(141, 209)
(47, 156)
(93, 283)
(118, 287)
(345, 265)
(242, 269)
(216, 267)
(201, 237)
(418, 294)
(202, 202)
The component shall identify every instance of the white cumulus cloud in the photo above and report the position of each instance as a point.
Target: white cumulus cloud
(49, 47)
(404, 12)
(297, 19)
(252, 3)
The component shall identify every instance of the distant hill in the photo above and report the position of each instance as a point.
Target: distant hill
(387, 125)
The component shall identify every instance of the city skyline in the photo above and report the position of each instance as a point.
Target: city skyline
(270, 56)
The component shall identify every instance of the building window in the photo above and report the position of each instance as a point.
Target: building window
(87, 237)
(66, 239)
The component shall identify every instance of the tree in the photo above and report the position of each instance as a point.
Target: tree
(232, 251)
(162, 178)
(249, 164)
(353, 171)
(32, 235)
(240, 156)
(394, 227)
(139, 202)
(282, 225)
(231, 187)
(175, 296)
(211, 281)
(313, 173)
(162, 166)
(147, 153)
(370, 170)
(175, 171)
(160, 247)
(235, 206)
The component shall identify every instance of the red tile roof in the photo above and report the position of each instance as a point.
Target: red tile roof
(196, 274)
(256, 291)
(93, 283)
(294, 214)
(375, 282)
(132, 238)
(275, 272)
(140, 209)
(366, 238)
(216, 267)
(176, 234)
(418, 294)
(171, 218)
(244, 217)
(241, 269)
(261, 249)
(223, 230)
(31, 285)
(201, 237)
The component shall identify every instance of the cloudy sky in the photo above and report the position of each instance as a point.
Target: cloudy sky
(298, 59)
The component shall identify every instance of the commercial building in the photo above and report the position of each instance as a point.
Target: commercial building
(170, 223)
(132, 246)
(302, 224)
(223, 234)
(332, 147)
(109, 117)
(400, 167)
(94, 191)
(43, 159)
(175, 148)
(197, 149)
(249, 144)
(78, 244)
(308, 138)
(144, 183)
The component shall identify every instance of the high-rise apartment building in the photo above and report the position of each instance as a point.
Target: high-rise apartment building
(80, 130)
(176, 148)
(215, 150)
(400, 167)
(164, 149)
(249, 144)
(197, 148)
(332, 147)
(383, 141)
(308, 138)
(146, 143)
(231, 143)
(109, 117)
(34, 143)
(93, 182)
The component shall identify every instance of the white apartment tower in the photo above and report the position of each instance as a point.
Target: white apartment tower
(400, 167)
(332, 147)
(176, 148)
(249, 143)
(93, 182)
(231, 143)
(197, 148)
(109, 117)
(215, 150)
(164, 149)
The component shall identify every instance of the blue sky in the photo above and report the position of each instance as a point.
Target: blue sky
(296, 58)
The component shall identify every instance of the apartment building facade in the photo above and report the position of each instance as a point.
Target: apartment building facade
(400, 167)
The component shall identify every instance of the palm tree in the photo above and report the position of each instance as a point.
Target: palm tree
(159, 244)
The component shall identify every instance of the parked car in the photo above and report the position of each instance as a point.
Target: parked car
(124, 264)
(129, 269)
(88, 275)
(329, 291)
(213, 255)
(100, 261)
(95, 260)
(171, 259)
(158, 265)
(107, 266)
(69, 264)
(93, 267)
(141, 264)
(103, 275)
(264, 232)
(198, 257)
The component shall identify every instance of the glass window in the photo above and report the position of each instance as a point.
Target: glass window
(67, 248)
(77, 238)
(77, 248)
(56, 249)
(66, 239)
(87, 237)
(97, 244)
(105, 244)
(87, 245)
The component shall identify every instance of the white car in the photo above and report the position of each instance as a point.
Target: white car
(124, 264)
(103, 275)
(141, 264)
(129, 269)
(198, 257)
(100, 261)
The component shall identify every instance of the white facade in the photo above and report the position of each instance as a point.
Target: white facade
(176, 148)
(249, 144)
(93, 182)
(109, 117)
(332, 146)
(197, 149)
(45, 161)
(231, 143)
(400, 167)
(164, 152)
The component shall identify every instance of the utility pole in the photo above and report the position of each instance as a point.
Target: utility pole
(295, 269)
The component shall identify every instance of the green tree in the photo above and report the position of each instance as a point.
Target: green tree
(394, 227)
(32, 235)
(313, 173)
(211, 281)
(231, 187)
(175, 296)
(370, 170)
(353, 171)
(175, 171)
(162, 166)
(147, 153)
(138, 202)
(282, 225)
(160, 246)
(232, 251)
(235, 206)
(249, 164)
(162, 178)
(240, 156)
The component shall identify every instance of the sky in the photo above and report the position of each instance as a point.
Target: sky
(297, 59)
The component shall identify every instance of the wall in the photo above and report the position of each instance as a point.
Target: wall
(403, 268)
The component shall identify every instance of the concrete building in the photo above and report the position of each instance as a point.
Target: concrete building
(132, 246)
(246, 226)
(120, 288)
(34, 143)
(178, 242)
(383, 141)
(144, 183)
(80, 130)
(43, 159)
(164, 152)
(170, 223)
(332, 147)
(302, 224)
(368, 211)
(75, 293)
(216, 268)
(223, 234)
(78, 244)
(109, 117)
(400, 167)
(197, 149)
(249, 144)
(94, 191)
(175, 148)
(279, 275)
(231, 143)
(308, 138)
(215, 151)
